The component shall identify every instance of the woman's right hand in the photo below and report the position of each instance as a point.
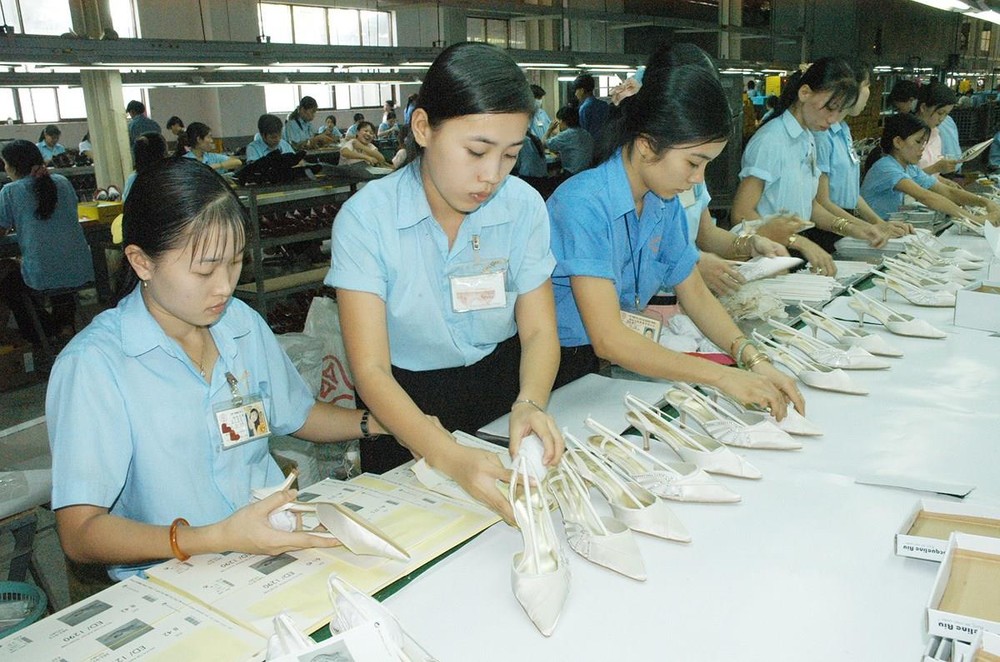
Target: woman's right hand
(754, 390)
(477, 471)
(820, 261)
(721, 276)
(249, 529)
(944, 165)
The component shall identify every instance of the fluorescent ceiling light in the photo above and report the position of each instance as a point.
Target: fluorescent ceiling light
(989, 15)
(566, 79)
(947, 5)
(554, 65)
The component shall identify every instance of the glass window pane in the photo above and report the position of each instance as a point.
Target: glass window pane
(276, 22)
(71, 104)
(518, 35)
(369, 28)
(319, 92)
(27, 107)
(123, 18)
(46, 17)
(10, 12)
(344, 27)
(137, 93)
(475, 29)
(496, 32)
(44, 101)
(310, 25)
(386, 92)
(343, 96)
(280, 99)
(7, 109)
(384, 29)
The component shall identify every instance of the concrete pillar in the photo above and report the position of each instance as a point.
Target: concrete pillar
(730, 13)
(102, 94)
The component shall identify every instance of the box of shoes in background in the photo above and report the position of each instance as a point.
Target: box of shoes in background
(17, 366)
(977, 306)
(99, 210)
(925, 533)
(964, 598)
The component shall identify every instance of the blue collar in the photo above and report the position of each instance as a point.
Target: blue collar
(620, 191)
(414, 207)
(141, 333)
(791, 124)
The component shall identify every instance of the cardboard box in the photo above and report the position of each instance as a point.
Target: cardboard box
(17, 366)
(925, 533)
(966, 594)
(986, 645)
(977, 306)
(99, 210)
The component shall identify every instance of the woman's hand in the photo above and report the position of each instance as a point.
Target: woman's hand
(820, 261)
(720, 275)
(477, 472)
(764, 247)
(526, 419)
(872, 234)
(897, 228)
(944, 165)
(784, 383)
(754, 390)
(249, 530)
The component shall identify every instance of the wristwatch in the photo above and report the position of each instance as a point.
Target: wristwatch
(791, 240)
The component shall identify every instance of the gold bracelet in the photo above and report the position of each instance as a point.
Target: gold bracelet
(759, 357)
(526, 401)
(791, 240)
(841, 226)
(741, 246)
(732, 345)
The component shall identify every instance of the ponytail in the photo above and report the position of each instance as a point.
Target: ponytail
(26, 160)
(539, 147)
(827, 74)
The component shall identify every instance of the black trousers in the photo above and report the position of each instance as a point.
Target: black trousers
(464, 398)
(575, 362)
(12, 292)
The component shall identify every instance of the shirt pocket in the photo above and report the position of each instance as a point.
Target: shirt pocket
(493, 325)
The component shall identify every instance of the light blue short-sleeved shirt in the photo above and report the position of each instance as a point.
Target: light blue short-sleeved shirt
(384, 126)
(596, 233)
(840, 163)
(297, 131)
(385, 241)
(575, 148)
(540, 122)
(210, 158)
(352, 131)
(258, 149)
(128, 184)
(950, 146)
(49, 152)
(529, 162)
(331, 131)
(783, 154)
(54, 252)
(131, 422)
(879, 187)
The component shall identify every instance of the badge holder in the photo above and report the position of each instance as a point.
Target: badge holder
(242, 419)
(644, 325)
(479, 285)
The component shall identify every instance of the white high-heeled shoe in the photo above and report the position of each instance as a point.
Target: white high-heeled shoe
(700, 450)
(915, 295)
(853, 358)
(844, 335)
(793, 422)
(967, 224)
(540, 574)
(602, 540)
(632, 504)
(918, 277)
(678, 481)
(723, 425)
(808, 371)
(938, 268)
(899, 323)
(358, 534)
(929, 244)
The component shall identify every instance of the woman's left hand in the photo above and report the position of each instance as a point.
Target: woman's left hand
(526, 419)
(720, 275)
(784, 383)
(898, 228)
(764, 247)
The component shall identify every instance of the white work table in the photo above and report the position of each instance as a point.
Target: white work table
(803, 568)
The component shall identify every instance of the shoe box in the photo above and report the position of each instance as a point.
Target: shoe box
(977, 306)
(17, 366)
(102, 210)
(926, 531)
(965, 599)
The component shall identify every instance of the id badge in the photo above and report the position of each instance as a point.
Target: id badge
(238, 424)
(644, 325)
(479, 286)
(688, 198)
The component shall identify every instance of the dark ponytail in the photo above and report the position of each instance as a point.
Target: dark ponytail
(539, 147)
(662, 112)
(935, 95)
(900, 125)
(827, 74)
(26, 160)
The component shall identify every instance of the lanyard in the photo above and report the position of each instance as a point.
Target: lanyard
(636, 261)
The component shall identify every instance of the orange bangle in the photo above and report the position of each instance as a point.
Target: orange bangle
(178, 554)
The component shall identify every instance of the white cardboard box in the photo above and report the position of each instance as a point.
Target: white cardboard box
(985, 642)
(929, 548)
(945, 622)
(977, 306)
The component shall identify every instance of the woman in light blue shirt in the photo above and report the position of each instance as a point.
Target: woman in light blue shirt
(48, 143)
(619, 234)
(442, 274)
(840, 179)
(780, 173)
(148, 150)
(41, 209)
(151, 455)
(531, 159)
(574, 146)
(897, 173)
(202, 149)
(299, 130)
(268, 139)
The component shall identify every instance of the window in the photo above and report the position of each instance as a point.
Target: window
(306, 24)
(605, 84)
(498, 32)
(985, 34)
(8, 111)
